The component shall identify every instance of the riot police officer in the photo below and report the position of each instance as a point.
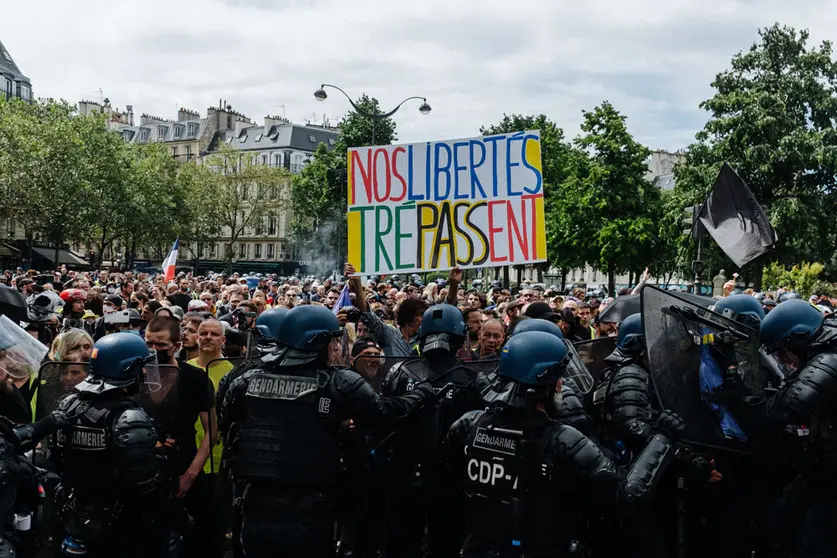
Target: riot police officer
(270, 352)
(267, 326)
(111, 489)
(525, 477)
(420, 492)
(804, 410)
(287, 456)
(622, 401)
(568, 405)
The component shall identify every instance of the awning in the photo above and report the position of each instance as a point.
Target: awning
(64, 256)
(9, 251)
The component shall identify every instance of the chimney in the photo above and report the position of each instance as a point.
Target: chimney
(240, 126)
(184, 114)
(129, 110)
(271, 121)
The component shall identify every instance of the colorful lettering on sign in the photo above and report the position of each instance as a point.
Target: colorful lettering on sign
(468, 203)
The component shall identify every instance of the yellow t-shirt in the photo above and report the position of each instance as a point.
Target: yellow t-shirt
(217, 370)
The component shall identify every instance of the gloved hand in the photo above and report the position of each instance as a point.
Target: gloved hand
(670, 424)
(60, 418)
(725, 344)
(352, 314)
(425, 389)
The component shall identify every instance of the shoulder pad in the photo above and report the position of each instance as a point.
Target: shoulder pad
(69, 402)
(632, 371)
(132, 418)
(574, 446)
(815, 387)
(394, 372)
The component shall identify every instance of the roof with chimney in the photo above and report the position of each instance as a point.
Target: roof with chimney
(8, 66)
(278, 135)
(153, 130)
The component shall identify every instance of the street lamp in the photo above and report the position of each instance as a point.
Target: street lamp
(321, 95)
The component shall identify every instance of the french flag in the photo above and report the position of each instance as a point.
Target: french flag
(171, 261)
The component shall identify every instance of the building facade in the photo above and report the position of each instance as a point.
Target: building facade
(275, 142)
(12, 81)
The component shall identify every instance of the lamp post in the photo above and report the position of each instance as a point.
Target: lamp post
(321, 95)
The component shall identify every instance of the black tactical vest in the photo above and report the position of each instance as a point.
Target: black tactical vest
(86, 450)
(288, 436)
(422, 441)
(512, 500)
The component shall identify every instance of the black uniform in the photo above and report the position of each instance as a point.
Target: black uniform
(420, 492)
(287, 455)
(623, 406)
(805, 411)
(527, 480)
(569, 409)
(111, 489)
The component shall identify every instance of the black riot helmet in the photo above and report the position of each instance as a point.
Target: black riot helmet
(442, 329)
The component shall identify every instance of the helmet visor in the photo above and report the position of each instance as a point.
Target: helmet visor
(576, 371)
(20, 353)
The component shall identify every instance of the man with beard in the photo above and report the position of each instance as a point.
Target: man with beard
(473, 319)
(189, 336)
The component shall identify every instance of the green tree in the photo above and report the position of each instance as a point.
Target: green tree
(803, 279)
(319, 192)
(619, 205)
(156, 203)
(242, 189)
(201, 221)
(772, 118)
(557, 163)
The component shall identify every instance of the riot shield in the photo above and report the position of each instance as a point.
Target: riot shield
(592, 354)
(375, 368)
(55, 381)
(20, 353)
(687, 371)
(158, 393)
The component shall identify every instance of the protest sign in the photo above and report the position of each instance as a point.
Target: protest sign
(436, 205)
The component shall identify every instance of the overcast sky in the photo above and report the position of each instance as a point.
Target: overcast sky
(472, 59)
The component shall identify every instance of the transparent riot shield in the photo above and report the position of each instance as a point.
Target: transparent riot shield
(689, 373)
(54, 381)
(158, 393)
(20, 353)
(374, 368)
(593, 352)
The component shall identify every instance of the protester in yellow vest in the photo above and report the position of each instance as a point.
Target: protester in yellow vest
(210, 360)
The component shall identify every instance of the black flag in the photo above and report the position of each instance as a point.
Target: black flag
(733, 217)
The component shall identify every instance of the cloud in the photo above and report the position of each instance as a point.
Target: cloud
(473, 59)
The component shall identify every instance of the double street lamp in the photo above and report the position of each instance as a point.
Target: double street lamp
(321, 95)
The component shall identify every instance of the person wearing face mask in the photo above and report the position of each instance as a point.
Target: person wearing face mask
(195, 403)
(287, 455)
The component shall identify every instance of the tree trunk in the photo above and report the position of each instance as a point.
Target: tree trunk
(506, 279)
(133, 251)
(611, 280)
(30, 240)
(540, 272)
(630, 278)
(57, 253)
(564, 271)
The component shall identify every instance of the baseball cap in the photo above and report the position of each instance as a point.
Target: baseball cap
(362, 344)
(542, 311)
